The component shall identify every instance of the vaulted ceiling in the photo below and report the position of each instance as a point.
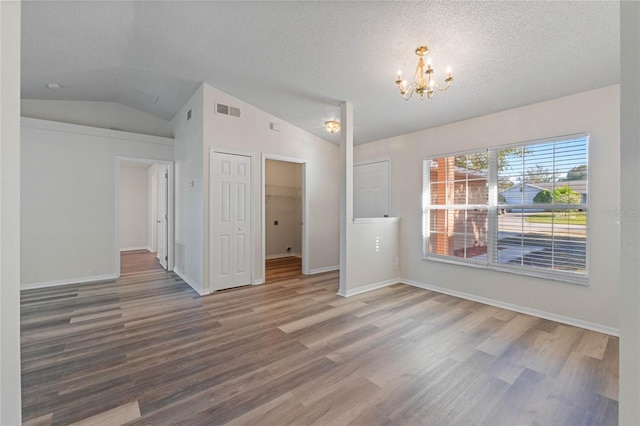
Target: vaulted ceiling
(299, 60)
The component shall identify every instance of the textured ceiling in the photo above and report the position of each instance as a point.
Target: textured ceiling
(299, 60)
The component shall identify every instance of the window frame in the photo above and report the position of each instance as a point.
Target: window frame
(581, 278)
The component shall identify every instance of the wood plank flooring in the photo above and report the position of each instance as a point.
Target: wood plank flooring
(147, 350)
(282, 268)
(138, 261)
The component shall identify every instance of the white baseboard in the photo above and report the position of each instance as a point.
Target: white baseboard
(517, 308)
(325, 269)
(81, 280)
(135, 248)
(258, 282)
(191, 282)
(368, 287)
(278, 256)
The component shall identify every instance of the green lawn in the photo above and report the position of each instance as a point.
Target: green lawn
(570, 218)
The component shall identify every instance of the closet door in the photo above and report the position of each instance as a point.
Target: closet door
(230, 241)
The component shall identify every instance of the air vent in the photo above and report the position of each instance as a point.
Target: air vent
(227, 110)
(222, 109)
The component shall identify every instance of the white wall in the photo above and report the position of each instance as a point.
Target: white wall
(249, 134)
(134, 208)
(629, 214)
(189, 160)
(10, 406)
(105, 115)
(283, 204)
(369, 247)
(374, 250)
(596, 112)
(68, 226)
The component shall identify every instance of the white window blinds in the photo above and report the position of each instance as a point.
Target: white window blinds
(546, 222)
(458, 191)
(522, 208)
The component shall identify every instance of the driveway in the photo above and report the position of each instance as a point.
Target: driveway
(520, 242)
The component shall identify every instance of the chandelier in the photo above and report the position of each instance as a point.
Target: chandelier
(422, 84)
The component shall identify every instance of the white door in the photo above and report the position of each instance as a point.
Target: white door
(154, 209)
(230, 241)
(371, 189)
(162, 222)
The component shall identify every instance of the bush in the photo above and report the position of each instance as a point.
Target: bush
(563, 195)
(543, 197)
(566, 196)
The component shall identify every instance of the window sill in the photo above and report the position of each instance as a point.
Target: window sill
(570, 278)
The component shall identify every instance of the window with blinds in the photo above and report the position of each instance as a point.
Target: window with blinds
(458, 189)
(520, 208)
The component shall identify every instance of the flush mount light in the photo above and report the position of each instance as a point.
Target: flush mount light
(54, 86)
(332, 126)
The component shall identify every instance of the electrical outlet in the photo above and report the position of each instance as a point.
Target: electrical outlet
(397, 261)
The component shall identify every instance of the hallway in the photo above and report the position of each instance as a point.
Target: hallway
(138, 261)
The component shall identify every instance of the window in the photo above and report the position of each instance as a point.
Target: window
(520, 208)
(458, 206)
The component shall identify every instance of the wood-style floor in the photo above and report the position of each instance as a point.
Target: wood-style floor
(138, 261)
(146, 349)
(282, 268)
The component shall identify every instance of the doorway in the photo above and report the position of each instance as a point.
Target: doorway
(144, 217)
(284, 212)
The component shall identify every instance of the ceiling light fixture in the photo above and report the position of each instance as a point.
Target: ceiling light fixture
(422, 84)
(332, 126)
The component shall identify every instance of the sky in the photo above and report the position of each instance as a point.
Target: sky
(565, 154)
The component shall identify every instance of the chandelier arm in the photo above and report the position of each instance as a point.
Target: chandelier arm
(441, 89)
(408, 94)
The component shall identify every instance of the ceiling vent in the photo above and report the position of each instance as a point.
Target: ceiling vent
(227, 110)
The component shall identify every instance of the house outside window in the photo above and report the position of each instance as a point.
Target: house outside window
(520, 208)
